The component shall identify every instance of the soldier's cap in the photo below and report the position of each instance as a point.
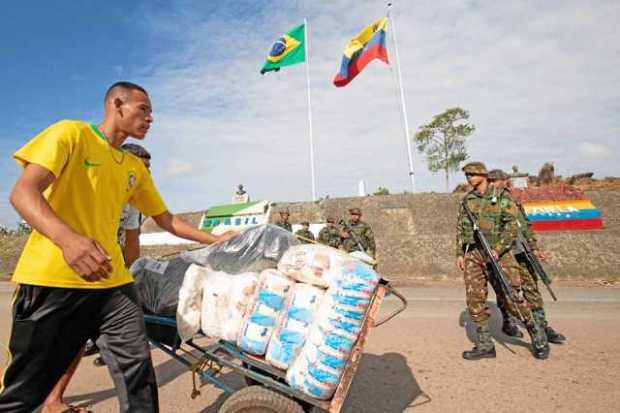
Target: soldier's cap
(305, 223)
(355, 211)
(477, 168)
(330, 219)
(285, 211)
(137, 150)
(497, 175)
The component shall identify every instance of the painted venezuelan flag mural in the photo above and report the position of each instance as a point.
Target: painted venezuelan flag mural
(559, 209)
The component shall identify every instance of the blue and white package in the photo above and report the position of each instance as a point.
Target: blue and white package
(271, 293)
(290, 335)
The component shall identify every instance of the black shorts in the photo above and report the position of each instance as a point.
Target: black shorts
(51, 325)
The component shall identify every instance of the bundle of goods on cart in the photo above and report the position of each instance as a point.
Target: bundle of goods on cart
(300, 307)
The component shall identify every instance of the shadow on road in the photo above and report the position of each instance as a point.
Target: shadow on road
(384, 383)
(495, 324)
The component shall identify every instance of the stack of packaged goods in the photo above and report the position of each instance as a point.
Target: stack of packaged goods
(292, 330)
(214, 302)
(317, 370)
(264, 312)
(305, 317)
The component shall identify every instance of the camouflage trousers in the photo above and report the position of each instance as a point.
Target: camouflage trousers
(529, 287)
(477, 276)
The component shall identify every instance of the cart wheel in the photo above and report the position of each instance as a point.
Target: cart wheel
(257, 399)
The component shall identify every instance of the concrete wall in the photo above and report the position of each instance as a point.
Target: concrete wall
(415, 235)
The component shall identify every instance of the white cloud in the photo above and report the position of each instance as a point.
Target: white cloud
(176, 167)
(596, 151)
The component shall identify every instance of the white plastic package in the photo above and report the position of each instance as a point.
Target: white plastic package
(294, 324)
(271, 292)
(225, 301)
(190, 302)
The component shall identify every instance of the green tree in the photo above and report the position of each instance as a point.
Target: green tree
(443, 141)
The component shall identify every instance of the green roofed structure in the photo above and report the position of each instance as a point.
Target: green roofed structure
(222, 218)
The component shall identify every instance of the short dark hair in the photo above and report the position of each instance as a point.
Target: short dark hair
(137, 150)
(127, 86)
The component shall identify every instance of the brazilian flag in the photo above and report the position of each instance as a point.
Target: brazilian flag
(287, 50)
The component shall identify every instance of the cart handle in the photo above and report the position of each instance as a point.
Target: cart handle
(403, 305)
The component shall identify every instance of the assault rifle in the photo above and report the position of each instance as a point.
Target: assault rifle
(534, 263)
(353, 235)
(487, 255)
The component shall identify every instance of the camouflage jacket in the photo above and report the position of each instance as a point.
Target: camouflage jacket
(286, 225)
(497, 216)
(364, 234)
(524, 224)
(330, 235)
(306, 234)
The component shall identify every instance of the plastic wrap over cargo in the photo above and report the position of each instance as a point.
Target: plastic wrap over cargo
(225, 301)
(271, 293)
(253, 250)
(190, 302)
(337, 325)
(294, 324)
(158, 283)
(314, 264)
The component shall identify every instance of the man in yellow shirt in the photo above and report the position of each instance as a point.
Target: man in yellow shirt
(72, 281)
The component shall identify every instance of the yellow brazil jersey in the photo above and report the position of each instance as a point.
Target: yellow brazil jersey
(93, 182)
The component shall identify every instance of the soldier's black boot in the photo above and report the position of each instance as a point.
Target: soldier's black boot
(509, 327)
(477, 354)
(483, 348)
(552, 335)
(540, 345)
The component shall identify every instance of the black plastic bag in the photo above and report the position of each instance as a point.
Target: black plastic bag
(253, 250)
(158, 283)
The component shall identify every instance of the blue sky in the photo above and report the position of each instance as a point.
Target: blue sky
(540, 81)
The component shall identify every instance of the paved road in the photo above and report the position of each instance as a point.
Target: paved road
(413, 363)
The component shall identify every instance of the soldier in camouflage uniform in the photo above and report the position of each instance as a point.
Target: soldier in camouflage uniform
(500, 180)
(306, 235)
(357, 230)
(330, 234)
(283, 221)
(496, 216)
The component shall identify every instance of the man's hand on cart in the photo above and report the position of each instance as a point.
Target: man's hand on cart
(225, 236)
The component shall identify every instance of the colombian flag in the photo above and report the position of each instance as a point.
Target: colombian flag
(369, 44)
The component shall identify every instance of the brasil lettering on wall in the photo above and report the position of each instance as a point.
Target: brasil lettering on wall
(222, 218)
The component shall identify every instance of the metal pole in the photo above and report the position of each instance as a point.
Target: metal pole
(402, 96)
(307, 51)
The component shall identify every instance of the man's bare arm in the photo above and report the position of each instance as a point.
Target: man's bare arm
(180, 228)
(131, 252)
(84, 255)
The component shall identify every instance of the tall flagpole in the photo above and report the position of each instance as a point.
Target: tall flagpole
(307, 50)
(402, 96)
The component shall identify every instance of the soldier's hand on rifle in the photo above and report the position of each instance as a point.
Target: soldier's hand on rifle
(495, 255)
(540, 255)
(460, 263)
(344, 234)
